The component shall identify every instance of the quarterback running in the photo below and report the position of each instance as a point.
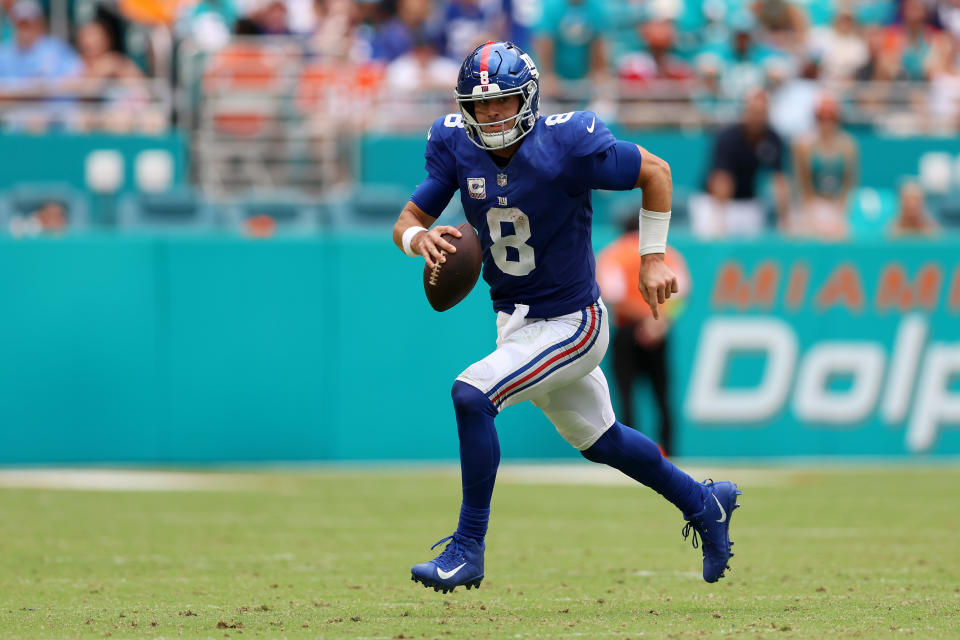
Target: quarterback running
(525, 182)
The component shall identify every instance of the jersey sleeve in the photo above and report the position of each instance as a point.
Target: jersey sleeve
(587, 134)
(596, 160)
(440, 162)
(434, 193)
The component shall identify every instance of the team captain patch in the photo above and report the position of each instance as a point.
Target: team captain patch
(477, 188)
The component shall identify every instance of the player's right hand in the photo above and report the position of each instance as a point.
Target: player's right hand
(430, 244)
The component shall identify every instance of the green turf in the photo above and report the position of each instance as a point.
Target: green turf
(866, 553)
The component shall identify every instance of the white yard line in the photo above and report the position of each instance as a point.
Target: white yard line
(119, 480)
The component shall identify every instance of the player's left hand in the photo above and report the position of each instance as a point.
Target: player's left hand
(657, 282)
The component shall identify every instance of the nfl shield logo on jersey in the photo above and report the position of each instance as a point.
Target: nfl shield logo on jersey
(477, 188)
(501, 180)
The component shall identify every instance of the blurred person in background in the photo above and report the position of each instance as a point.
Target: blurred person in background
(466, 23)
(784, 24)
(912, 40)
(742, 56)
(394, 37)
(116, 80)
(337, 32)
(731, 206)
(572, 51)
(640, 342)
(913, 219)
(944, 90)
(49, 219)
(36, 66)
(272, 18)
(825, 166)
(418, 76)
(884, 63)
(842, 50)
(707, 94)
(658, 62)
(33, 56)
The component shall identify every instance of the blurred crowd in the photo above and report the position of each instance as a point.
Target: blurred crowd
(887, 61)
(777, 80)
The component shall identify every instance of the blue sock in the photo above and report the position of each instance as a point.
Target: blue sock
(479, 457)
(639, 457)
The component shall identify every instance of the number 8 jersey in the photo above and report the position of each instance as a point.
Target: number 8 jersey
(534, 213)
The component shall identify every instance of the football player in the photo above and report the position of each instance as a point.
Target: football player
(525, 182)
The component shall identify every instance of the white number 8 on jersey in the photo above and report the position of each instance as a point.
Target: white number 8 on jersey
(518, 240)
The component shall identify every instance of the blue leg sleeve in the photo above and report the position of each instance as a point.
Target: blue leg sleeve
(479, 457)
(639, 457)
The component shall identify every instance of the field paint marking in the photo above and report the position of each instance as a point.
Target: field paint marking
(120, 480)
(601, 475)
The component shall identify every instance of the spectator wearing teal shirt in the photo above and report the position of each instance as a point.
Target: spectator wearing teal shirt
(570, 45)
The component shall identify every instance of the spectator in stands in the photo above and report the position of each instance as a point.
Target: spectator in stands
(640, 342)
(912, 40)
(731, 206)
(913, 219)
(707, 95)
(117, 81)
(658, 62)
(36, 66)
(272, 19)
(422, 69)
(395, 37)
(784, 24)
(334, 34)
(944, 73)
(841, 47)
(50, 218)
(34, 57)
(571, 51)
(884, 63)
(465, 24)
(743, 58)
(825, 166)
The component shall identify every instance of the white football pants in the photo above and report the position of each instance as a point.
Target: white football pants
(553, 362)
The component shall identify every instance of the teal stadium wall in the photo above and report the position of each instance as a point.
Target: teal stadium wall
(165, 350)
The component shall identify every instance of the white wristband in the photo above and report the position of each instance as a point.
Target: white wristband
(653, 231)
(408, 238)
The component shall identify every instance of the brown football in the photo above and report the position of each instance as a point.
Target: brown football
(449, 282)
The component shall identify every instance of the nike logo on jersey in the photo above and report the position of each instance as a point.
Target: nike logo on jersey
(723, 514)
(592, 122)
(449, 574)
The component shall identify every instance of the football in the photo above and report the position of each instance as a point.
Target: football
(449, 282)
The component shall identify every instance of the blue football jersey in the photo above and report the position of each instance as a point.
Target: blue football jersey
(533, 215)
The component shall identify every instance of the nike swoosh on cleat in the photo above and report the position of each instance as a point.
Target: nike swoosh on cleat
(723, 514)
(449, 574)
(592, 122)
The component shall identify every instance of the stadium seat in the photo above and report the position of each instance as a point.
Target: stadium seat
(179, 211)
(373, 205)
(291, 211)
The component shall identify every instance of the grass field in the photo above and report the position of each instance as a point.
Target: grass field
(820, 554)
